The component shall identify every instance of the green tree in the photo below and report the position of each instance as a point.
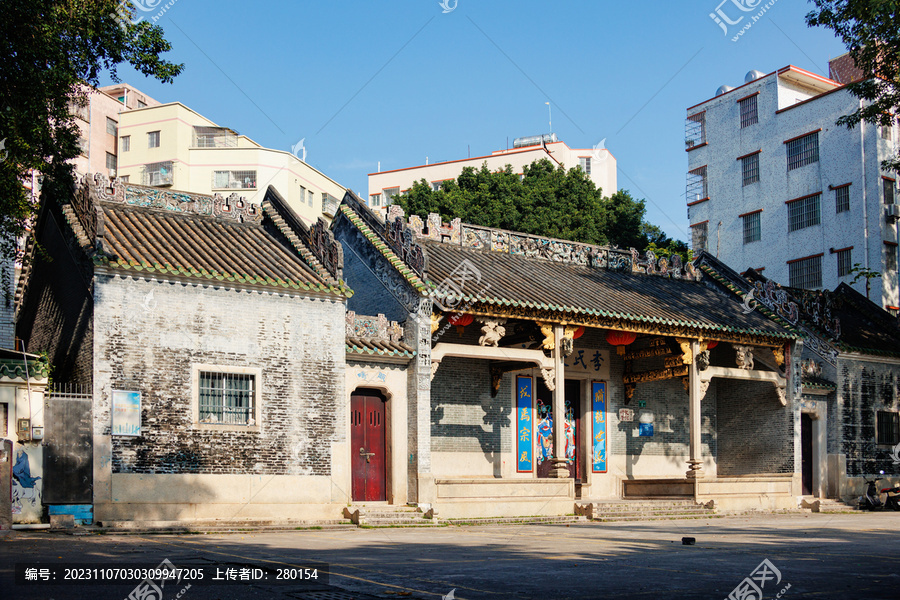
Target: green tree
(871, 31)
(49, 50)
(547, 200)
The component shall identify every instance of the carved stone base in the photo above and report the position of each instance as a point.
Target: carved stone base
(696, 469)
(560, 468)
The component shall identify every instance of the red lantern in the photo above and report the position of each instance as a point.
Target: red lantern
(460, 320)
(620, 339)
(711, 345)
(578, 333)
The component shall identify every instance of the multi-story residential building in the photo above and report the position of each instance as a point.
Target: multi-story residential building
(774, 184)
(598, 163)
(172, 146)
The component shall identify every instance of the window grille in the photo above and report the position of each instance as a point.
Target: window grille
(160, 173)
(888, 187)
(844, 262)
(329, 204)
(749, 114)
(803, 151)
(111, 161)
(842, 199)
(153, 139)
(699, 236)
(112, 127)
(806, 273)
(888, 427)
(752, 229)
(695, 130)
(375, 200)
(214, 137)
(389, 193)
(227, 398)
(696, 187)
(804, 213)
(234, 180)
(81, 108)
(890, 258)
(750, 168)
(585, 163)
(309, 197)
(125, 146)
(887, 132)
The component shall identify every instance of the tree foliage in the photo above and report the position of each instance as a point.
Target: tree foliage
(548, 200)
(871, 31)
(49, 50)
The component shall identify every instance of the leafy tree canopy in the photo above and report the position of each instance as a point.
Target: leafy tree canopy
(871, 31)
(49, 50)
(548, 200)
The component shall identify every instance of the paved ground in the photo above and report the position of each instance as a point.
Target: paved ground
(816, 556)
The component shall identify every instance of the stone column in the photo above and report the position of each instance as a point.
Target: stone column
(560, 467)
(697, 390)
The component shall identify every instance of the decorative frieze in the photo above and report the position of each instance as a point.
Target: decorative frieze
(373, 328)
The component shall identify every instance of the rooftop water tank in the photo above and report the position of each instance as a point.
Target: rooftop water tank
(753, 76)
(723, 89)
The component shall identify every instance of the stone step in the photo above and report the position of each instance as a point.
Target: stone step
(552, 520)
(645, 509)
(655, 517)
(132, 527)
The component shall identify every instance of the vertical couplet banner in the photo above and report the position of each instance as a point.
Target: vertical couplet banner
(524, 444)
(598, 410)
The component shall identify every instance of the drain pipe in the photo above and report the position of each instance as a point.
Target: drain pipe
(862, 146)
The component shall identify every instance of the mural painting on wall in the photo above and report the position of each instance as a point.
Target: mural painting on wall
(598, 408)
(26, 489)
(525, 448)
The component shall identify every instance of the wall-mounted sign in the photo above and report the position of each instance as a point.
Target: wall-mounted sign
(625, 415)
(524, 445)
(598, 410)
(126, 413)
(591, 360)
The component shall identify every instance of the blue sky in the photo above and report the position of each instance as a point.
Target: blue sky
(400, 81)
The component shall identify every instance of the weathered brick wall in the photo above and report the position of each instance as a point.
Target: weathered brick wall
(148, 336)
(56, 316)
(7, 311)
(755, 432)
(864, 388)
(464, 416)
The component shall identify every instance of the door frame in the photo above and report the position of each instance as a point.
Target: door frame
(388, 437)
(817, 408)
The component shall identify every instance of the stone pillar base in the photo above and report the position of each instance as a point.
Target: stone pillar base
(560, 468)
(696, 470)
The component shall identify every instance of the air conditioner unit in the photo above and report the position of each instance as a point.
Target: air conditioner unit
(112, 172)
(892, 212)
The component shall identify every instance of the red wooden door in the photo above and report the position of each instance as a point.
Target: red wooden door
(367, 448)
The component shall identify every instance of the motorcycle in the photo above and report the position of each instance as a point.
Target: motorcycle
(871, 499)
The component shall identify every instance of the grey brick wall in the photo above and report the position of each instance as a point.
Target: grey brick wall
(755, 432)
(148, 336)
(864, 388)
(7, 311)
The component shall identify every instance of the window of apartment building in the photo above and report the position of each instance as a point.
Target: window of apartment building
(749, 114)
(697, 188)
(234, 180)
(436, 185)
(585, 163)
(390, 193)
(329, 203)
(310, 197)
(695, 130)
(804, 212)
(160, 173)
(141, 104)
(214, 137)
(844, 261)
(124, 178)
(888, 185)
(699, 235)
(887, 426)
(153, 139)
(842, 198)
(226, 395)
(83, 145)
(752, 229)
(887, 132)
(375, 200)
(806, 273)
(110, 162)
(81, 108)
(890, 257)
(125, 143)
(750, 168)
(802, 151)
(112, 127)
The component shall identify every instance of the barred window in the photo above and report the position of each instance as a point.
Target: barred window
(886, 132)
(585, 163)
(241, 180)
(890, 257)
(214, 137)
(125, 145)
(697, 187)
(111, 161)
(806, 273)
(227, 398)
(153, 139)
(888, 427)
(842, 199)
(112, 127)
(375, 200)
(844, 262)
(803, 151)
(804, 212)
(390, 193)
(160, 173)
(750, 168)
(749, 115)
(699, 236)
(310, 196)
(888, 188)
(752, 229)
(695, 130)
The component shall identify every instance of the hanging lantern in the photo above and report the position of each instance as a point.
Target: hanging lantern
(460, 320)
(620, 339)
(711, 345)
(578, 333)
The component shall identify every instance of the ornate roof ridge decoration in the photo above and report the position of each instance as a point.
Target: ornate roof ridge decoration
(37, 368)
(492, 239)
(374, 329)
(233, 208)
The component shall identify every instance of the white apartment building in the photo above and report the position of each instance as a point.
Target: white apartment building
(773, 184)
(599, 164)
(172, 146)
